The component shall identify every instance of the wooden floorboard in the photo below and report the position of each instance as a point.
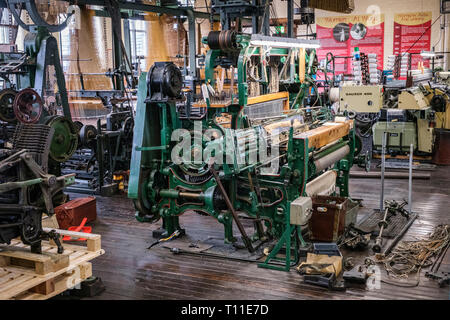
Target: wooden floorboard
(130, 271)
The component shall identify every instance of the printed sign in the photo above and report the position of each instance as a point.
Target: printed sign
(408, 28)
(340, 35)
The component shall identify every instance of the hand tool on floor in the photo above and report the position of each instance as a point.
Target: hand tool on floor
(379, 240)
(443, 278)
(392, 208)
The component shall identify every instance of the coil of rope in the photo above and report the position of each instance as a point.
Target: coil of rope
(410, 257)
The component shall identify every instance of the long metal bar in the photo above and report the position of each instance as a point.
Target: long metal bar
(290, 17)
(192, 46)
(146, 8)
(379, 240)
(383, 167)
(127, 40)
(411, 151)
(245, 238)
(255, 19)
(8, 186)
(266, 17)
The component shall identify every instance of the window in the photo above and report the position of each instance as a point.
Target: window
(65, 48)
(138, 39)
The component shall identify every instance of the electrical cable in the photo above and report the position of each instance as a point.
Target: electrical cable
(175, 234)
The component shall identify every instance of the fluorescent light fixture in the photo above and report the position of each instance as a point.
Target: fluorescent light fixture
(428, 54)
(279, 42)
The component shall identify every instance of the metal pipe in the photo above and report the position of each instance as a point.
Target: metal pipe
(190, 195)
(8, 186)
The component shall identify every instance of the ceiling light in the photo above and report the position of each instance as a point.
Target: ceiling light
(279, 42)
(428, 54)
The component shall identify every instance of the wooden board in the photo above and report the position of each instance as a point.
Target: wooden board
(326, 134)
(268, 97)
(42, 264)
(50, 222)
(20, 281)
(61, 283)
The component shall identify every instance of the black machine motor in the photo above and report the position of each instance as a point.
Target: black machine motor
(164, 82)
(438, 103)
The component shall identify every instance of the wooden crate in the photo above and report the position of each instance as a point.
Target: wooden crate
(28, 276)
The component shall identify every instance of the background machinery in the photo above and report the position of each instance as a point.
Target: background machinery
(418, 112)
(38, 132)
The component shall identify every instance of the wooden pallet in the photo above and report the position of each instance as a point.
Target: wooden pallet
(28, 276)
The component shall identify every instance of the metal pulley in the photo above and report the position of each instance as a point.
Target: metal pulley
(65, 138)
(149, 196)
(88, 134)
(164, 81)
(7, 97)
(28, 106)
(127, 127)
(222, 40)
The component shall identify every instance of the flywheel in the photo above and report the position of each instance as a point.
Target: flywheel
(65, 138)
(28, 106)
(7, 97)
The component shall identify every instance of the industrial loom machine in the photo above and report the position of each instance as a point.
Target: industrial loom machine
(259, 147)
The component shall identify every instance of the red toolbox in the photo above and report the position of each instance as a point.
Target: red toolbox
(73, 212)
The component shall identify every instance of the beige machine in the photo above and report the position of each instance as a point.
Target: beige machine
(425, 136)
(368, 99)
(412, 99)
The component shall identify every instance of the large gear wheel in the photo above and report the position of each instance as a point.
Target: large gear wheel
(28, 106)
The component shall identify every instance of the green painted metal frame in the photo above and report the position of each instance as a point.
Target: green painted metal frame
(155, 185)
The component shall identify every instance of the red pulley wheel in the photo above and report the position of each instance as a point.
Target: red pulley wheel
(28, 106)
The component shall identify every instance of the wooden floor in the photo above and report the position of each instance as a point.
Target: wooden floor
(130, 271)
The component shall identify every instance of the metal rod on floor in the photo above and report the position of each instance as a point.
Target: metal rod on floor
(383, 167)
(411, 151)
